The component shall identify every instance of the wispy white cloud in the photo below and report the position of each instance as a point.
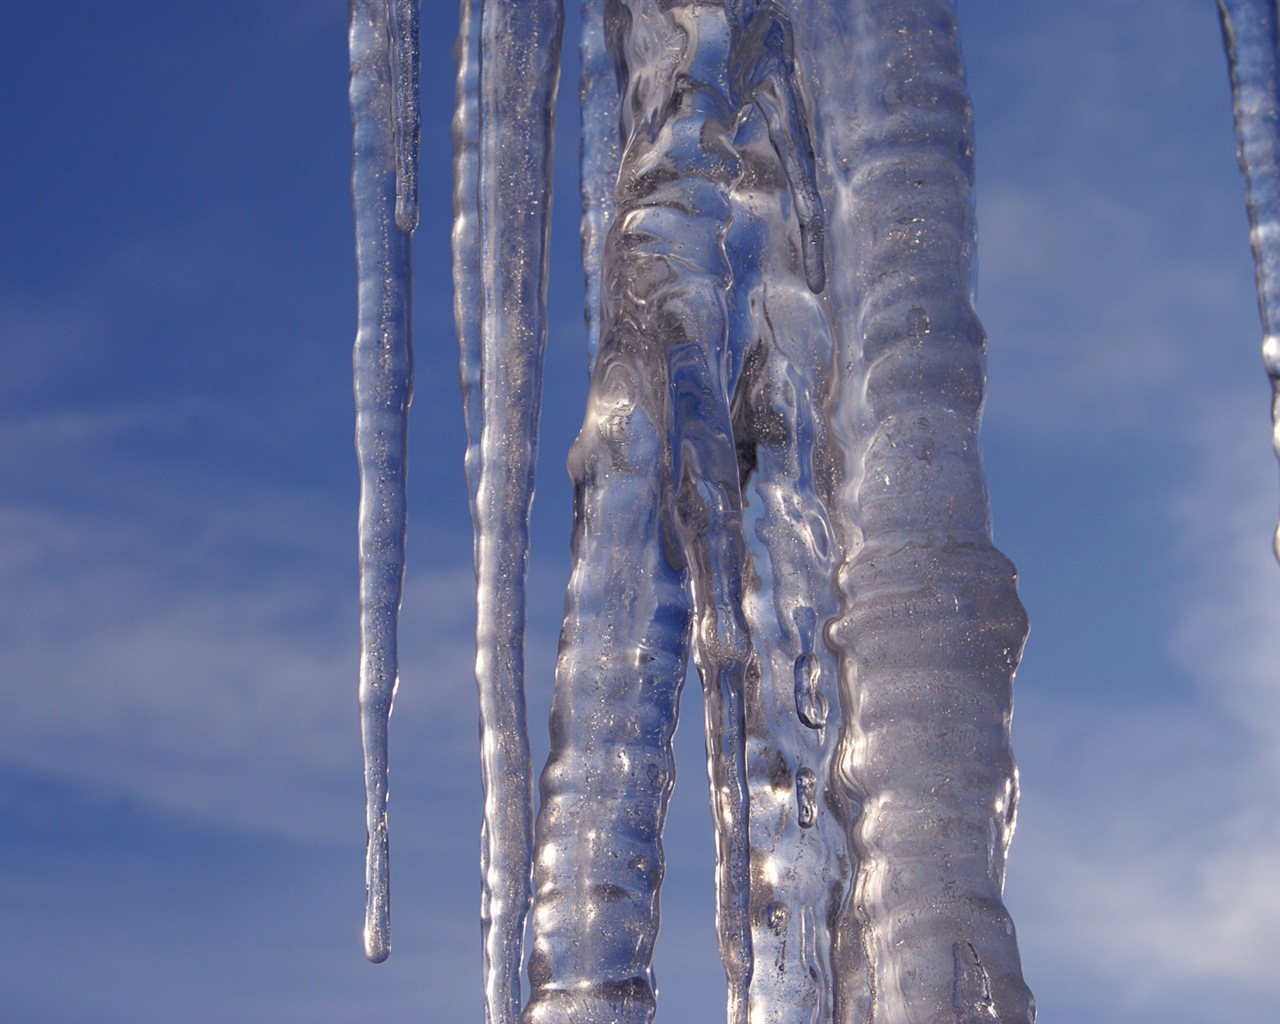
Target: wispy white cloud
(221, 700)
(1111, 217)
(1146, 865)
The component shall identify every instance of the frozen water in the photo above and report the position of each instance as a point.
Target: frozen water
(383, 388)
(508, 74)
(777, 476)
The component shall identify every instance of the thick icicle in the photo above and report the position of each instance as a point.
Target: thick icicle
(519, 62)
(1249, 28)
(383, 387)
(657, 543)
(931, 628)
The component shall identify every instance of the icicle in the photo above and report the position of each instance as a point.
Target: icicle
(383, 387)
(657, 492)
(601, 153)
(778, 236)
(800, 867)
(767, 73)
(405, 62)
(931, 628)
(502, 204)
(468, 308)
(1249, 28)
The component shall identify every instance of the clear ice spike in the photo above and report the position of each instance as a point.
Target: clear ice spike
(518, 73)
(383, 363)
(1249, 29)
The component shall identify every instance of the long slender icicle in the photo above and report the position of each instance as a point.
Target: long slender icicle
(931, 628)
(519, 62)
(1249, 28)
(600, 156)
(383, 363)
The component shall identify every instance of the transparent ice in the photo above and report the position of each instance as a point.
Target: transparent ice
(777, 476)
(383, 388)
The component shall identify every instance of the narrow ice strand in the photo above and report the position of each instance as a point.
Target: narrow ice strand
(767, 73)
(405, 64)
(600, 156)
(518, 75)
(674, 211)
(931, 628)
(1249, 29)
(468, 309)
(383, 362)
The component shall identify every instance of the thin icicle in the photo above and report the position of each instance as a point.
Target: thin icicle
(383, 362)
(519, 47)
(1249, 28)
(468, 309)
(405, 63)
(601, 153)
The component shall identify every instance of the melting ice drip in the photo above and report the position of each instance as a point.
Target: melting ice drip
(778, 475)
(1249, 28)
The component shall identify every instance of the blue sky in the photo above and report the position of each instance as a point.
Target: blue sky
(182, 831)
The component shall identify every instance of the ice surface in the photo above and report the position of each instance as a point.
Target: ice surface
(600, 154)
(777, 475)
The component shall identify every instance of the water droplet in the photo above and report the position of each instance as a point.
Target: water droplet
(806, 797)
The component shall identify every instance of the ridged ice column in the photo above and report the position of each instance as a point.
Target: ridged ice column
(931, 628)
(1249, 28)
(657, 544)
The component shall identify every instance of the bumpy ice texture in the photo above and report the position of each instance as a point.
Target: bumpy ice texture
(777, 474)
